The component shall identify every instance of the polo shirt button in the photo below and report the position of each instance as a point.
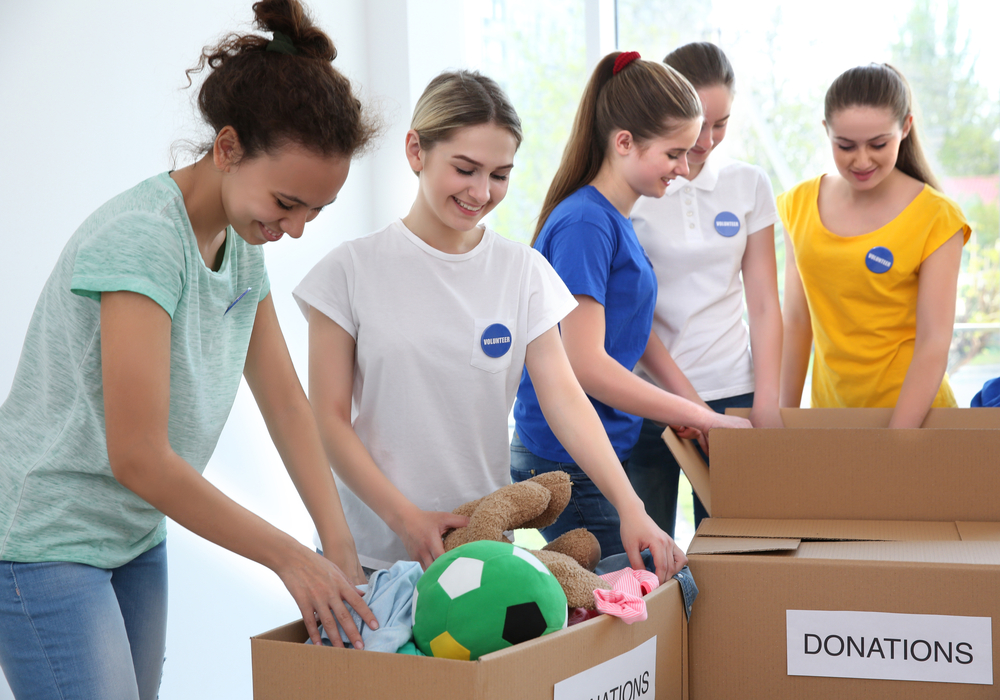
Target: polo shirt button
(687, 201)
(687, 189)
(690, 225)
(689, 212)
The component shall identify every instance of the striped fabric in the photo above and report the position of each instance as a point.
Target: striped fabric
(624, 600)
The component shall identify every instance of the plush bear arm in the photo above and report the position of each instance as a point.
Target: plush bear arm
(578, 583)
(504, 509)
(580, 545)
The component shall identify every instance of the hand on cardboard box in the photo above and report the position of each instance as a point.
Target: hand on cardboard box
(322, 591)
(640, 532)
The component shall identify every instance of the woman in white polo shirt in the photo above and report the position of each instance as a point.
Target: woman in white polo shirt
(708, 229)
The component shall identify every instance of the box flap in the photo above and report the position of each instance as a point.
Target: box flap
(971, 532)
(880, 530)
(856, 474)
(972, 553)
(740, 545)
(937, 418)
(692, 464)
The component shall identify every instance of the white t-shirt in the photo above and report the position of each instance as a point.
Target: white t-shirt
(441, 340)
(695, 237)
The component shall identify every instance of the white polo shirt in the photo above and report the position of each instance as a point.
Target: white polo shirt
(695, 237)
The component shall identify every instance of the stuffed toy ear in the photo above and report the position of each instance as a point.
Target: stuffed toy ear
(504, 509)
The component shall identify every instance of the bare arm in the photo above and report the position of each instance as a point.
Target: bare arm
(760, 283)
(135, 358)
(331, 382)
(577, 426)
(290, 423)
(935, 325)
(605, 379)
(797, 341)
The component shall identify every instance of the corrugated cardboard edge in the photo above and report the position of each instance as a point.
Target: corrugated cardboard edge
(693, 466)
(284, 668)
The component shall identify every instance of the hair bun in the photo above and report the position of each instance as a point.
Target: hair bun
(289, 19)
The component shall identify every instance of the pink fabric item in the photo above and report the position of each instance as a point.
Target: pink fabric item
(624, 605)
(628, 580)
(624, 600)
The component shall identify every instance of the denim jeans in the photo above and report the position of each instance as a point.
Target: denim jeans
(654, 472)
(587, 507)
(76, 632)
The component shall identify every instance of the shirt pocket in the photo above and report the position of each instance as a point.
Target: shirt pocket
(492, 344)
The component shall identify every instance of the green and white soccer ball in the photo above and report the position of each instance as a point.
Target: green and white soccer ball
(482, 597)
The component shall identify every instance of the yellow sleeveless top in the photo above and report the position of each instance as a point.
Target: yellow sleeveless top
(862, 294)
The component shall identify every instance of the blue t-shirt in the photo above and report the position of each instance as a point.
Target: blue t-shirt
(595, 251)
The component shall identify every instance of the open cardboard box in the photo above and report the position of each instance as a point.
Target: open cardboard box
(601, 658)
(846, 560)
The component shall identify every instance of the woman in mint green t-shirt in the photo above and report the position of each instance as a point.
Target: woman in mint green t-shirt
(157, 306)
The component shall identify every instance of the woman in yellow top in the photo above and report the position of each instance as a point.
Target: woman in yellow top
(873, 254)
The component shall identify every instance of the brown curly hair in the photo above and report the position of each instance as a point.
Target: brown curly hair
(273, 98)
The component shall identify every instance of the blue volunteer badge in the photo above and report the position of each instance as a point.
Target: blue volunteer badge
(495, 340)
(727, 224)
(878, 260)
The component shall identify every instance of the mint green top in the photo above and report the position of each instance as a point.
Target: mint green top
(59, 500)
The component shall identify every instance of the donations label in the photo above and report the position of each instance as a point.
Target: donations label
(890, 646)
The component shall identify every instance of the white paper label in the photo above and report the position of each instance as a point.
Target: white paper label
(890, 646)
(630, 676)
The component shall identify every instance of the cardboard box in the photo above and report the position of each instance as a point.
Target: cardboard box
(842, 558)
(284, 668)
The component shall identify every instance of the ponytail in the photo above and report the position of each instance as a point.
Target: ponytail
(647, 99)
(882, 86)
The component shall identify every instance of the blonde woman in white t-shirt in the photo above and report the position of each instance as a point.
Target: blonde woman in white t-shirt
(418, 336)
(711, 229)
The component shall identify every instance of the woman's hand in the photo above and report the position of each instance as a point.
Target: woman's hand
(421, 532)
(639, 532)
(323, 593)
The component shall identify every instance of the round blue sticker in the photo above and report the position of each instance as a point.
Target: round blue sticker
(727, 224)
(495, 340)
(879, 260)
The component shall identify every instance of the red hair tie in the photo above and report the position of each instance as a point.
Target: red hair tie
(624, 58)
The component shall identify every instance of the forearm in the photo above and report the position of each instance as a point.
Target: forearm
(293, 430)
(923, 379)
(356, 468)
(609, 382)
(766, 335)
(658, 363)
(171, 485)
(796, 346)
(577, 426)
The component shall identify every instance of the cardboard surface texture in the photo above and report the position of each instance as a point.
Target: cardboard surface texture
(285, 668)
(847, 560)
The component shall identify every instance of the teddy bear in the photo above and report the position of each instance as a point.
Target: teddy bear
(536, 503)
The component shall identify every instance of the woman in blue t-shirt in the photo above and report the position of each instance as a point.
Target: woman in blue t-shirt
(635, 124)
(159, 304)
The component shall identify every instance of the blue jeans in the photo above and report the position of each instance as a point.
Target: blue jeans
(654, 472)
(587, 507)
(76, 632)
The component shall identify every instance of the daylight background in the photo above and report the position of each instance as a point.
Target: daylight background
(93, 101)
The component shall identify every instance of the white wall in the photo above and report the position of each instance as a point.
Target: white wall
(91, 102)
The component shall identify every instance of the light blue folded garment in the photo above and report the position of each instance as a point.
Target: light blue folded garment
(389, 594)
